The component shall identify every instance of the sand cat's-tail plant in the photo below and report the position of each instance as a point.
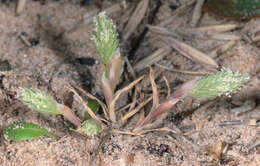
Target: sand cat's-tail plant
(106, 42)
(220, 83)
(42, 102)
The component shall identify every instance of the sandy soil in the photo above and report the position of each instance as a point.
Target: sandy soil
(44, 52)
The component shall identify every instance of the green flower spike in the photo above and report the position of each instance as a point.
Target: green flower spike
(223, 82)
(39, 101)
(105, 38)
(42, 102)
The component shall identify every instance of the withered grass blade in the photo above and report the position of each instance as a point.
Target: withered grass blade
(134, 111)
(111, 107)
(212, 29)
(168, 87)
(153, 58)
(197, 13)
(191, 53)
(104, 107)
(155, 91)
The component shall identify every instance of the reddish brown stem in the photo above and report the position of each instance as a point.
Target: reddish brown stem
(69, 115)
(162, 108)
(179, 94)
(108, 93)
(114, 71)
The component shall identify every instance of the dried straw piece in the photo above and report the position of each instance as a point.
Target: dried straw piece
(155, 91)
(225, 36)
(191, 53)
(134, 111)
(136, 18)
(168, 87)
(183, 71)
(20, 6)
(111, 107)
(212, 29)
(197, 13)
(153, 58)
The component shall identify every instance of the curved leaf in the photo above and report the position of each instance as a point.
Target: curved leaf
(94, 106)
(25, 131)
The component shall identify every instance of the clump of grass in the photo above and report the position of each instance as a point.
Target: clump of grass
(105, 39)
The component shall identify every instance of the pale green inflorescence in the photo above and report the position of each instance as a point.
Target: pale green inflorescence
(220, 83)
(105, 38)
(39, 101)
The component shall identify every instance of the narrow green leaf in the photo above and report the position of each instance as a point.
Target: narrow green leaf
(39, 101)
(94, 106)
(25, 131)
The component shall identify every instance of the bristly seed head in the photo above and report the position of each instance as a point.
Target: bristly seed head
(39, 101)
(105, 37)
(223, 82)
